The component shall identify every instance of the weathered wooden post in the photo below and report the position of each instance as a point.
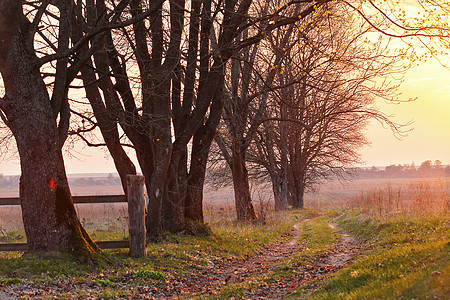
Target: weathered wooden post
(136, 215)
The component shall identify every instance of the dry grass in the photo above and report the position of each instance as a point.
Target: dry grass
(416, 197)
(384, 196)
(373, 197)
(219, 204)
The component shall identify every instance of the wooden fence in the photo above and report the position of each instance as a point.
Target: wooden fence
(136, 217)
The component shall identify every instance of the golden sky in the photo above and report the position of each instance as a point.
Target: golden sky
(430, 137)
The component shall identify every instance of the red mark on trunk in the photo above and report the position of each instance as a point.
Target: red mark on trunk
(52, 184)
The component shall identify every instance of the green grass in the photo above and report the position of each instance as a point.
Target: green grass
(316, 237)
(174, 257)
(407, 258)
(14, 236)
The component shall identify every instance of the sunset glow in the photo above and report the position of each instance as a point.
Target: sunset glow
(429, 138)
(430, 134)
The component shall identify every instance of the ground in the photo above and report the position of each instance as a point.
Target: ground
(388, 243)
(212, 278)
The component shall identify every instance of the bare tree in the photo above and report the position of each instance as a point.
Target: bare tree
(39, 123)
(251, 77)
(44, 45)
(284, 146)
(181, 76)
(321, 110)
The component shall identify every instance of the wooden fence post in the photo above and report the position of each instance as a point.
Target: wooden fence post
(136, 215)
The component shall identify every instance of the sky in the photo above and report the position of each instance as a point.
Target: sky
(429, 138)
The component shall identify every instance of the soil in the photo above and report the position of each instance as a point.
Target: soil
(210, 279)
(216, 277)
(343, 252)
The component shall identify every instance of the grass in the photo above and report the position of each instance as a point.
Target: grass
(316, 237)
(416, 197)
(176, 256)
(408, 257)
(404, 229)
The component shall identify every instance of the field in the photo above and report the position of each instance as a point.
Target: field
(372, 239)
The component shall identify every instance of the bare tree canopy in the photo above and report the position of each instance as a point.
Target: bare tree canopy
(157, 76)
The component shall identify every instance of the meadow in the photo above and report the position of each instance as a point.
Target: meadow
(365, 239)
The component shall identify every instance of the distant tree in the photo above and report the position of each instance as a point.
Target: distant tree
(438, 169)
(437, 164)
(110, 178)
(426, 168)
(394, 171)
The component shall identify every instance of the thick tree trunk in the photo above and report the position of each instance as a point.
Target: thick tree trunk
(49, 216)
(201, 144)
(173, 219)
(243, 200)
(199, 157)
(196, 179)
(297, 189)
(299, 194)
(279, 188)
(157, 183)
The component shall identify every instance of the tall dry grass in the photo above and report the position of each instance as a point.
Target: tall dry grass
(373, 197)
(416, 197)
(110, 217)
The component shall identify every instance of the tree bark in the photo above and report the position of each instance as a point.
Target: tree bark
(196, 178)
(297, 189)
(173, 205)
(201, 145)
(279, 188)
(243, 200)
(49, 216)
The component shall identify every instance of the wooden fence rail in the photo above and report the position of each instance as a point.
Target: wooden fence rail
(137, 196)
(76, 199)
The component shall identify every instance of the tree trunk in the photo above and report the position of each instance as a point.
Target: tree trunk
(279, 188)
(199, 157)
(299, 194)
(196, 179)
(297, 189)
(201, 144)
(173, 219)
(49, 216)
(157, 182)
(243, 200)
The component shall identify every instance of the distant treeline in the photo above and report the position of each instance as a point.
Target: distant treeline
(426, 169)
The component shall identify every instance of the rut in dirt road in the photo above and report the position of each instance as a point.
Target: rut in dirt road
(342, 253)
(217, 277)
